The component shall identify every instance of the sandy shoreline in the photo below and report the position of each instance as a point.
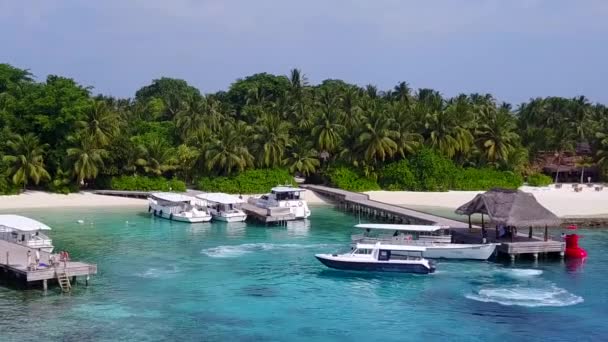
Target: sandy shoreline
(563, 202)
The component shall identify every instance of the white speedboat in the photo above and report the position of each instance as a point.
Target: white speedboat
(26, 232)
(224, 207)
(380, 257)
(436, 240)
(285, 197)
(178, 207)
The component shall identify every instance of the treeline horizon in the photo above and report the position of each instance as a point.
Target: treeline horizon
(56, 134)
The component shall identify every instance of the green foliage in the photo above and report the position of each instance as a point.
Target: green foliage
(538, 179)
(409, 139)
(248, 182)
(7, 187)
(142, 183)
(397, 176)
(432, 171)
(62, 183)
(173, 93)
(470, 179)
(351, 180)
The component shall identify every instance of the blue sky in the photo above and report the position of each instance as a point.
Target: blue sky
(514, 49)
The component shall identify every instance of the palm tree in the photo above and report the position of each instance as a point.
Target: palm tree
(102, 123)
(86, 157)
(228, 151)
(377, 139)
(585, 162)
(402, 92)
(446, 133)
(270, 140)
(326, 129)
(301, 157)
(496, 134)
(186, 157)
(26, 159)
(405, 123)
(198, 114)
(156, 157)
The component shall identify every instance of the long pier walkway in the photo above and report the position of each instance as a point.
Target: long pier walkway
(358, 202)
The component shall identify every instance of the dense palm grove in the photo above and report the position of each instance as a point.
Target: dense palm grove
(56, 134)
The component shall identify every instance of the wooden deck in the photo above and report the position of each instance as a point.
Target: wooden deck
(14, 264)
(521, 244)
(358, 202)
(123, 193)
(267, 216)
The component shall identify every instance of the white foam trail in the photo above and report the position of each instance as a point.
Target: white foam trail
(154, 273)
(522, 272)
(526, 296)
(234, 251)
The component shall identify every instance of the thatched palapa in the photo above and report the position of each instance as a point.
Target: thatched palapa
(511, 208)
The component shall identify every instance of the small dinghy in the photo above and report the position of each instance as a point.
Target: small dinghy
(379, 257)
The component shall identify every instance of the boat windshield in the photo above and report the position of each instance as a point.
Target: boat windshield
(287, 196)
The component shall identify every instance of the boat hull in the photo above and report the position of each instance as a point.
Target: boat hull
(453, 250)
(480, 252)
(374, 266)
(197, 219)
(236, 218)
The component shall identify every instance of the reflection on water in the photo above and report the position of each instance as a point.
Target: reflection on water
(298, 228)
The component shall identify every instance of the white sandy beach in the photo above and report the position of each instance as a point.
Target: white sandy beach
(563, 202)
(40, 199)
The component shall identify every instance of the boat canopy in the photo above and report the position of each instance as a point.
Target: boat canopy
(406, 248)
(401, 227)
(171, 197)
(219, 197)
(278, 189)
(21, 223)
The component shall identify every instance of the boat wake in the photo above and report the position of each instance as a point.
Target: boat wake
(154, 273)
(522, 272)
(234, 251)
(526, 296)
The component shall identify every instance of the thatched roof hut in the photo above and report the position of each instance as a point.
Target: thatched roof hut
(511, 208)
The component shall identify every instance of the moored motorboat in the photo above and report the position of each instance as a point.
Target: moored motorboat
(284, 197)
(178, 207)
(436, 240)
(224, 207)
(380, 257)
(25, 231)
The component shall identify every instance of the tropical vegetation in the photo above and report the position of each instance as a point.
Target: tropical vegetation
(59, 135)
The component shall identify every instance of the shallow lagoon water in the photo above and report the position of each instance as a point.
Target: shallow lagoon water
(160, 280)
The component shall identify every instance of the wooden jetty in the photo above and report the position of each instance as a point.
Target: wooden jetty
(14, 268)
(462, 232)
(268, 215)
(521, 244)
(123, 193)
(360, 203)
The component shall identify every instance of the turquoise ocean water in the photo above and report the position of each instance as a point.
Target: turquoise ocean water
(161, 280)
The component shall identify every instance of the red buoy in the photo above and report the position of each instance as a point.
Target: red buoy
(572, 248)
